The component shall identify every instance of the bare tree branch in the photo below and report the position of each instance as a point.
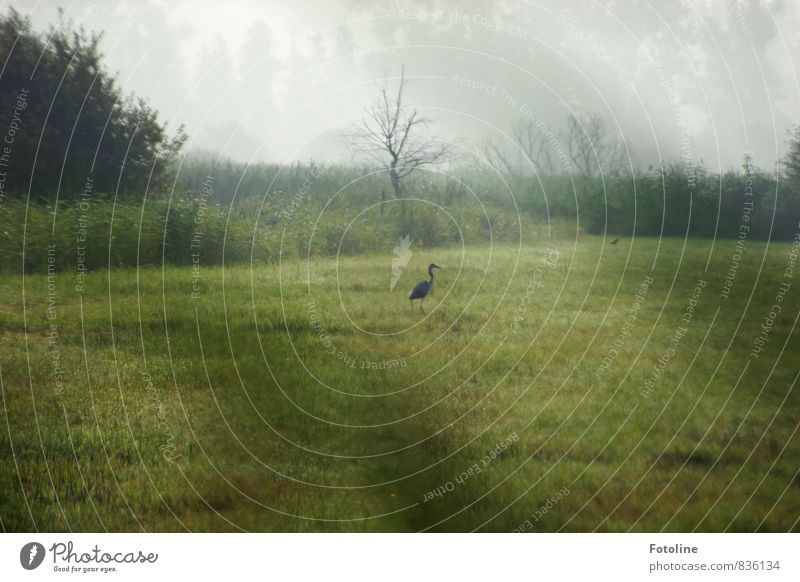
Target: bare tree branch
(591, 146)
(497, 157)
(388, 135)
(534, 149)
(535, 144)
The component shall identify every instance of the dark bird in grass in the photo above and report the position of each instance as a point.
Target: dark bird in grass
(421, 289)
(615, 241)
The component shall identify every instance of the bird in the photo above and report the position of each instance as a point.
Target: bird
(613, 242)
(421, 289)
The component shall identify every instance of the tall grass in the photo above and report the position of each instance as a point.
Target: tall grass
(102, 233)
(237, 214)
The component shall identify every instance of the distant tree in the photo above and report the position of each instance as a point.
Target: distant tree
(591, 146)
(497, 155)
(792, 160)
(534, 150)
(70, 120)
(537, 144)
(389, 136)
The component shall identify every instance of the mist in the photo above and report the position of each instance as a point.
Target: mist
(279, 82)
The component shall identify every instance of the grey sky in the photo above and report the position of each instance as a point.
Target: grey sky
(280, 80)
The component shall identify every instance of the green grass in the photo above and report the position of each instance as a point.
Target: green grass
(266, 430)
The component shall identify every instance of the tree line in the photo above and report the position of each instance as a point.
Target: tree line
(64, 121)
(67, 131)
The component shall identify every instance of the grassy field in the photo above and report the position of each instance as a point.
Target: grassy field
(566, 386)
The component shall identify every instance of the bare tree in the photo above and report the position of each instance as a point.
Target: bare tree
(591, 146)
(537, 144)
(496, 154)
(535, 149)
(389, 136)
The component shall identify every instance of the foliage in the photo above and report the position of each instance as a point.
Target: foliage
(71, 122)
(792, 160)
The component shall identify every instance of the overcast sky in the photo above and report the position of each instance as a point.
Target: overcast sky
(281, 80)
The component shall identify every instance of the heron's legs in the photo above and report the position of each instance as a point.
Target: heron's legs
(421, 305)
(411, 301)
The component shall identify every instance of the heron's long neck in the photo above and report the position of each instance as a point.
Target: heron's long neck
(430, 272)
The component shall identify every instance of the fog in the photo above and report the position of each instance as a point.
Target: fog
(279, 81)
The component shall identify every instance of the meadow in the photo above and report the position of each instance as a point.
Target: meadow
(562, 384)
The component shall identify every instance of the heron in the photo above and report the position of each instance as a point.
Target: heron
(421, 289)
(615, 241)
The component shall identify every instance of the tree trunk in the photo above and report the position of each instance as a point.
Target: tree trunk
(396, 184)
